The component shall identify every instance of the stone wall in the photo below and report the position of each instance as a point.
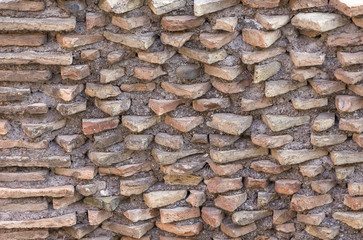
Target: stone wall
(181, 119)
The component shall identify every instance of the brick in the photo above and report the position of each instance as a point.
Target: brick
(351, 124)
(34, 130)
(282, 216)
(261, 55)
(65, 92)
(226, 24)
(301, 203)
(139, 123)
(317, 21)
(221, 185)
(135, 231)
(96, 125)
(110, 75)
(156, 57)
(119, 7)
(266, 71)
(160, 7)
(136, 215)
(354, 203)
(23, 176)
(243, 218)
(352, 219)
(202, 7)
(216, 40)
(212, 216)
(347, 58)
(302, 4)
(323, 232)
(107, 203)
(45, 58)
(184, 124)
(279, 87)
(348, 77)
(60, 191)
(102, 91)
(143, 41)
(223, 72)
(37, 24)
(266, 141)
(181, 22)
(210, 104)
(255, 183)
(136, 186)
(28, 234)
(311, 219)
(181, 230)
(287, 187)
(90, 55)
(96, 217)
(261, 3)
(138, 142)
(348, 8)
(235, 231)
(166, 158)
(148, 73)
(125, 170)
(72, 108)
(104, 159)
(282, 122)
(75, 72)
(345, 157)
(326, 87)
(178, 214)
(355, 189)
(196, 198)
(251, 104)
(170, 141)
(230, 123)
(48, 162)
(323, 121)
(95, 20)
(25, 76)
(182, 168)
(260, 38)
(306, 104)
(77, 40)
(25, 40)
(268, 167)
(159, 199)
(208, 57)
(63, 202)
(228, 156)
(86, 173)
(231, 202)
(130, 23)
(175, 39)
(190, 91)
(327, 140)
(54, 222)
(289, 157)
(138, 87)
(221, 141)
(272, 22)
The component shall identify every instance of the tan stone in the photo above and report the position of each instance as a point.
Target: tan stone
(286, 228)
(25, 75)
(348, 77)
(326, 87)
(184, 124)
(217, 40)
(305, 59)
(138, 142)
(60, 191)
(160, 7)
(306, 104)
(156, 57)
(23, 176)
(323, 121)
(63, 202)
(311, 219)
(263, 198)
(126, 170)
(24, 207)
(272, 22)
(231, 87)
(303, 74)
(23, 161)
(170, 141)
(131, 22)
(196, 198)
(225, 169)
(265, 71)
(142, 41)
(260, 38)
(243, 218)
(327, 140)
(202, 105)
(208, 57)
(261, 55)
(190, 91)
(79, 230)
(86, 173)
(148, 73)
(358, 21)
(212, 216)
(159, 199)
(107, 203)
(266, 141)
(185, 180)
(346, 157)
(354, 203)
(71, 108)
(279, 87)
(117, 56)
(343, 172)
(34, 130)
(26, 40)
(28, 234)
(22, 6)
(182, 168)
(221, 185)
(44, 58)
(261, 3)
(352, 219)
(221, 141)
(235, 231)
(178, 214)
(226, 24)
(302, 4)
(345, 39)
(323, 186)
(251, 105)
(139, 123)
(323, 232)
(65, 92)
(95, 20)
(37, 24)
(166, 158)
(75, 72)
(181, 22)
(231, 202)
(136, 215)
(136, 186)
(66, 220)
(102, 91)
(202, 7)
(358, 139)
(301, 203)
(355, 189)
(234, 155)
(113, 107)
(282, 122)
(345, 103)
(96, 125)
(181, 230)
(70, 142)
(349, 8)
(135, 231)
(289, 157)
(282, 216)
(72, 41)
(223, 72)
(138, 87)
(351, 124)
(287, 187)
(347, 58)
(175, 39)
(4, 127)
(104, 159)
(110, 75)
(268, 167)
(311, 170)
(96, 217)
(318, 21)
(119, 7)
(230, 123)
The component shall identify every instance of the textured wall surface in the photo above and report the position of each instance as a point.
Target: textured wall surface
(181, 119)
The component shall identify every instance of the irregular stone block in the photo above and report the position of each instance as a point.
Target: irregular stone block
(272, 22)
(77, 40)
(135, 231)
(317, 21)
(34, 130)
(130, 23)
(230, 123)
(216, 40)
(175, 39)
(301, 203)
(181, 230)
(96, 125)
(65, 92)
(48, 162)
(60, 191)
(226, 24)
(45, 58)
(202, 7)
(243, 218)
(168, 215)
(166, 158)
(221, 185)
(104, 159)
(142, 41)
(163, 198)
(160, 7)
(102, 91)
(120, 6)
(279, 87)
(184, 124)
(37, 24)
(25, 40)
(289, 157)
(282, 122)
(260, 38)
(234, 155)
(139, 123)
(208, 57)
(352, 219)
